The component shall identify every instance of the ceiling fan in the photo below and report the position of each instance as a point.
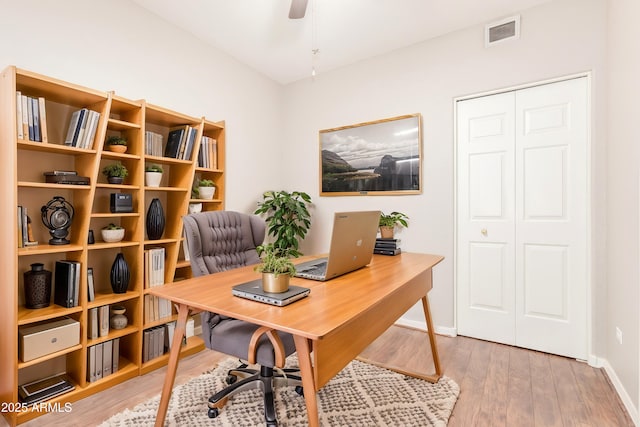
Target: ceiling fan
(297, 9)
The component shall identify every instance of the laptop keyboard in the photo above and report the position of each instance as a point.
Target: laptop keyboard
(316, 271)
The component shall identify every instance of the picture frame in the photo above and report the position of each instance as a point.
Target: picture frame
(382, 157)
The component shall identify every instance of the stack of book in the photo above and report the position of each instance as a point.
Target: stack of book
(208, 154)
(31, 118)
(103, 359)
(82, 128)
(387, 247)
(180, 142)
(153, 144)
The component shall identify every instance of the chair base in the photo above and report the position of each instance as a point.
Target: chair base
(265, 379)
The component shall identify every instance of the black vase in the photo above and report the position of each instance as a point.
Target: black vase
(37, 286)
(155, 220)
(119, 275)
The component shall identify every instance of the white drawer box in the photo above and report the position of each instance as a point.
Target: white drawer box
(47, 337)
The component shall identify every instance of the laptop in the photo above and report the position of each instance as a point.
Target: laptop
(352, 242)
(253, 291)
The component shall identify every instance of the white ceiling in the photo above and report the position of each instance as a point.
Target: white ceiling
(260, 34)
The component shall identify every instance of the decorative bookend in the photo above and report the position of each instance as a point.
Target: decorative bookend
(155, 220)
(119, 275)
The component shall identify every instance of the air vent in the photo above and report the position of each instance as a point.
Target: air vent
(503, 30)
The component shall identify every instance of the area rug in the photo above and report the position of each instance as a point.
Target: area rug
(360, 395)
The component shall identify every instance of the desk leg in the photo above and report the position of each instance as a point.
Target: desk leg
(308, 382)
(172, 367)
(432, 340)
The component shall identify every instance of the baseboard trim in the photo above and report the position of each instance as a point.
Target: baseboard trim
(624, 396)
(422, 325)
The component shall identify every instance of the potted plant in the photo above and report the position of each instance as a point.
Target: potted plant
(153, 175)
(117, 144)
(112, 233)
(115, 173)
(389, 222)
(206, 189)
(276, 268)
(287, 217)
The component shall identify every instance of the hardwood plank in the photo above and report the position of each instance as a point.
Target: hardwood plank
(520, 401)
(545, 401)
(574, 411)
(493, 406)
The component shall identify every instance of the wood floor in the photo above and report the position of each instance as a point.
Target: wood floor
(500, 385)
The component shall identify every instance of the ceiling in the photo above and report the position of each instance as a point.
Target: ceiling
(260, 34)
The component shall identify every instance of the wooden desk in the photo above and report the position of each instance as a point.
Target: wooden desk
(331, 326)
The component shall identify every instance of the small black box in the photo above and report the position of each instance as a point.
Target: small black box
(121, 202)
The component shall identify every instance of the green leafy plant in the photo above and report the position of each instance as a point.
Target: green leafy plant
(393, 219)
(206, 183)
(275, 260)
(153, 168)
(116, 140)
(112, 226)
(115, 170)
(288, 218)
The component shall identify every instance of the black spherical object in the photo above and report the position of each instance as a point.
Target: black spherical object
(155, 220)
(119, 275)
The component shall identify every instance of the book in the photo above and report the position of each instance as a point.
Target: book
(65, 283)
(395, 251)
(107, 354)
(189, 144)
(91, 364)
(43, 119)
(30, 118)
(43, 389)
(115, 357)
(91, 289)
(25, 117)
(80, 128)
(19, 115)
(36, 119)
(73, 124)
(184, 141)
(94, 328)
(98, 361)
(173, 143)
(103, 320)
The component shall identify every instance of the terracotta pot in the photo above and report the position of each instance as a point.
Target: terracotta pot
(386, 232)
(117, 148)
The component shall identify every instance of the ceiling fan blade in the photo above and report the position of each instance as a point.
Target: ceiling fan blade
(298, 9)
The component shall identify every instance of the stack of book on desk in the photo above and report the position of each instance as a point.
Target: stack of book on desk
(387, 246)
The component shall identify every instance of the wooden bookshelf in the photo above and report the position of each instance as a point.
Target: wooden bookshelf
(21, 177)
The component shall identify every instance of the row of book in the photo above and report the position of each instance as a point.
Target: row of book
(25, 236)
(180, 142)
(387, 247)
(82, 128)
(153, 342)
(153, 144)
(154, 267)
(156, 308)
(103, 359)
(208, 154)
(66, 283)
(31, 118)
(98, 322)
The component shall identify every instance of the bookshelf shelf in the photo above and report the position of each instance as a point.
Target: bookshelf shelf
(24, 186)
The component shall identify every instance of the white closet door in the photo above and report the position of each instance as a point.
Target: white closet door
(522, 217)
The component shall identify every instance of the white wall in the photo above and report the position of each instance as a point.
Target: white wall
(623, 213)
(117, 45)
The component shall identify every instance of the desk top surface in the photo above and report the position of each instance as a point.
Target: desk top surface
(329, 305)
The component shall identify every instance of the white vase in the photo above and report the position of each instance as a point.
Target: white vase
(195, 207)
(206, 193)
(152, 179)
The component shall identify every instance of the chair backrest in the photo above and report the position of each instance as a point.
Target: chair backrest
(222, 240)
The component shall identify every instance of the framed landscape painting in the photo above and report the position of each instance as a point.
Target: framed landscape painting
(382, 157)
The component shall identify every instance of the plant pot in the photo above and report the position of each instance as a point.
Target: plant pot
(117, 148)
(207, 193)
(195, 208)
(152, 179)
(115, 180)
(386, 232)
(275, 284)
(112, 236)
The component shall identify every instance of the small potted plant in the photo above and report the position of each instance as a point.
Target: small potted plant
(115, 173)
(276, 268)
(112, 233)
(117, 144)
(389, 222)
(153, 175)
(206, 189)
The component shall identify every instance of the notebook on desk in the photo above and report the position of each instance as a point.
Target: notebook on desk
(352, 241)
(253, 291)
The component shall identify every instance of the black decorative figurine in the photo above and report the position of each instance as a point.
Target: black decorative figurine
(57, 216)
(119, 275)
(155, 220)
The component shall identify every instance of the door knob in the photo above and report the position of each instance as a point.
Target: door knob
(484, 231)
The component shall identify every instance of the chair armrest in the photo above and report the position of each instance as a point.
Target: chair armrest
(276, 342)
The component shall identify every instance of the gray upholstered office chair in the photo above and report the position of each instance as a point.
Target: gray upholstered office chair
(219, 241)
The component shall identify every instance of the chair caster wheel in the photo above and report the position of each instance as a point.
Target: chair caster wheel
(213, 412)
(231, 379)
(300, 390)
